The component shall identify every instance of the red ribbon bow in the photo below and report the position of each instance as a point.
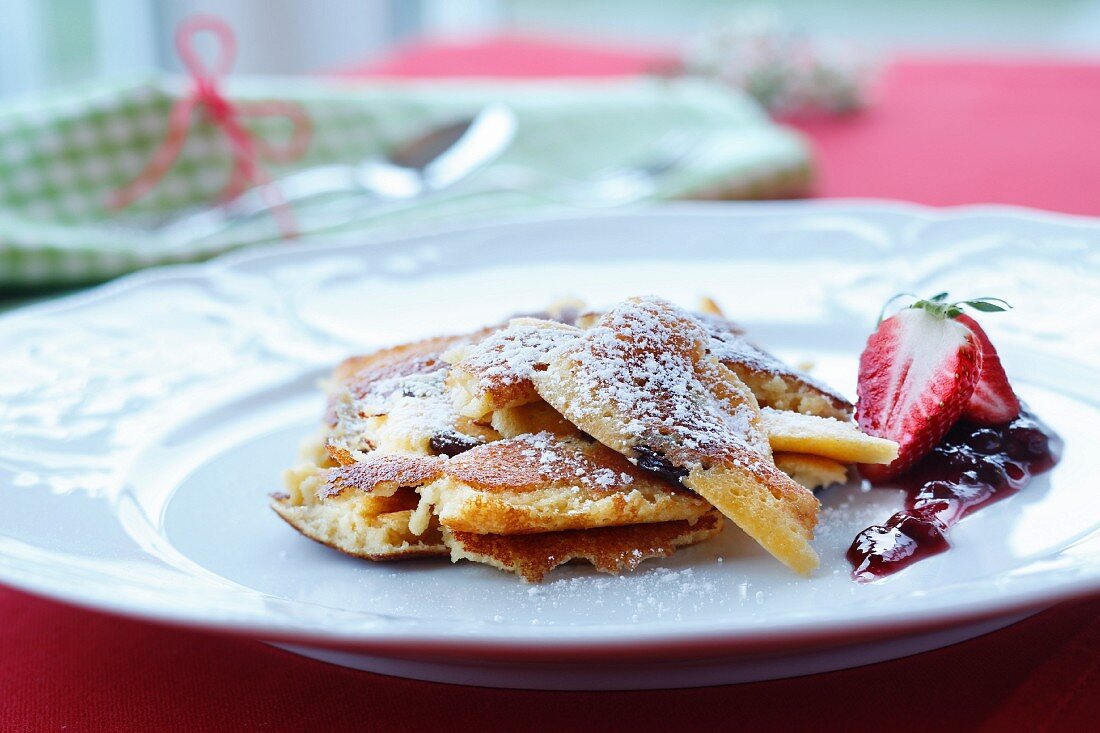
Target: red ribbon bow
(246, 149)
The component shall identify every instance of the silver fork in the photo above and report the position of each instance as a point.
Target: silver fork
(609, 186)
(424, 166)
(615, 185)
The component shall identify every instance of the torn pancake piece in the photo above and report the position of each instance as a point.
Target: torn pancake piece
(812, 472)
(609, 549)
(775, 384)
(544, 483)
(381, 474)
(407, 413)
(555, 487)
(840, 440)
(534, 417)
(360, 511)
(361, 373)
(345, 525)
(735, 398)
(641, 382)
(495, 373)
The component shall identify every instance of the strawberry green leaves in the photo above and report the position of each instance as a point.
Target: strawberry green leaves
(939, 305)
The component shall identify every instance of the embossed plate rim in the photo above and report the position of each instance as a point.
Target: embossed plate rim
(623, 639)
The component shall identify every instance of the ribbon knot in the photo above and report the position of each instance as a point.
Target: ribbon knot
(246, 150)
(216, 106)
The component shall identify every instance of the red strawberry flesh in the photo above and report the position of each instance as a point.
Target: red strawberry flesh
(993, 401)
(916, 376)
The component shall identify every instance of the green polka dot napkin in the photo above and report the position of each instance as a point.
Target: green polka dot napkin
(62, 154)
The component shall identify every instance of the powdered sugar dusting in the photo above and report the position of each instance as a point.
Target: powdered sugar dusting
(510, 356)
(659, 592)
(415, 404)
(565, 460)
(645, 359)
(730, 347)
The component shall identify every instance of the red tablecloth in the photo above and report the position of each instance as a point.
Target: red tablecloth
(941, 132)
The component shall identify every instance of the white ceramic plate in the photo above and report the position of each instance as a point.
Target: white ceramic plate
(143, 424)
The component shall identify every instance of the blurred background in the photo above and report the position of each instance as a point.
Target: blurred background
(44, 43)
(111, 161)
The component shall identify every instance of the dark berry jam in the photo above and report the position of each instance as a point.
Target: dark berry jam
(972, 466)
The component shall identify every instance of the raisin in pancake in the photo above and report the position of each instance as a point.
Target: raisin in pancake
(641, 382)
(546, 483)
(828, 437)
(396, 401)
(813, 472)
(363, 509)
(495, 373)
(609, 549)
(774, 383)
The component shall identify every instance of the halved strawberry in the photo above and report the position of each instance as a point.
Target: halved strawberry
(993, 401)
(916, 376)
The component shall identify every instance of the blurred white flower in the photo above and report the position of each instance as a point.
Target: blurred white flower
(787, 70)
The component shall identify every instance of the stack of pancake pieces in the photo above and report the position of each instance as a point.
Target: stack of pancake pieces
(609, 437)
